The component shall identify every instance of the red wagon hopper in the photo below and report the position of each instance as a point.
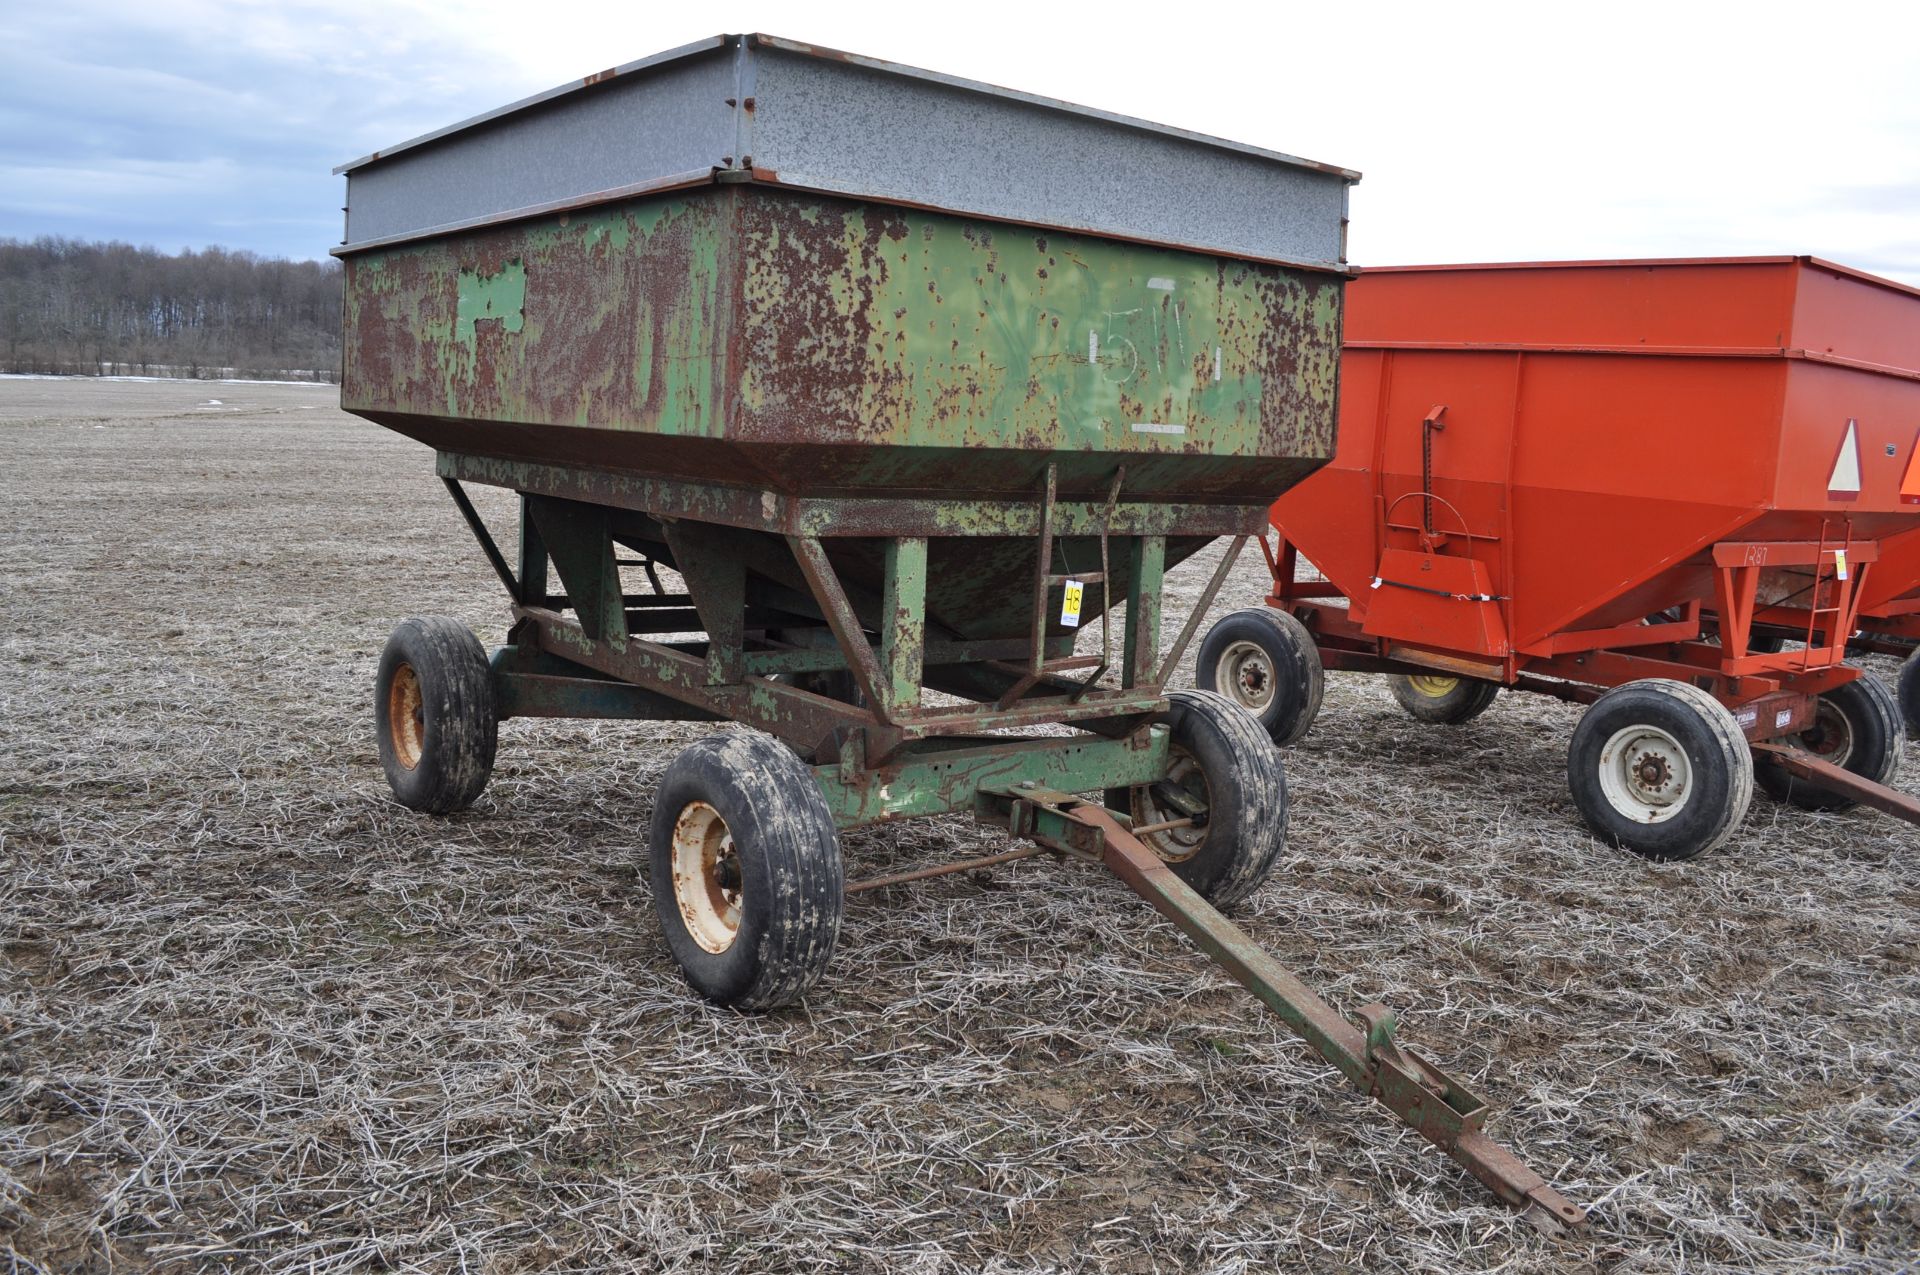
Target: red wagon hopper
(1548, 474)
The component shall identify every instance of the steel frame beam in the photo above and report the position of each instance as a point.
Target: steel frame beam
(887, 756)
(788, 514)
(1345, 646)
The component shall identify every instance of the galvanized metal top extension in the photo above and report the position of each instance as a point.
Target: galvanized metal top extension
(759, 108)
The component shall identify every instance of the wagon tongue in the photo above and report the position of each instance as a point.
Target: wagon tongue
(1824, 775)
(1432, 1103)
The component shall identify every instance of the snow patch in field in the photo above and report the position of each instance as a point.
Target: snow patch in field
(157, 380)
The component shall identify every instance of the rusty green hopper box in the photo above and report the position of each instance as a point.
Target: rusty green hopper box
(741, 333)
(756, 284)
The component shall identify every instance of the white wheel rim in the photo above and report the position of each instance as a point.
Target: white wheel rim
(1645, 774)
(706, 877)
(1245, 672)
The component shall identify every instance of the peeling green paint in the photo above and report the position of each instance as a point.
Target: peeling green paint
(499, 297)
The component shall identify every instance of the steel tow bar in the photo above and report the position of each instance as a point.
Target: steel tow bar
(1820, 773)
(1436, 1106)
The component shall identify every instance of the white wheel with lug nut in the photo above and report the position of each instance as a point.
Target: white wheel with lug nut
(1266, 662)
(1244, 671)
(1645, 773)
(1660, 768)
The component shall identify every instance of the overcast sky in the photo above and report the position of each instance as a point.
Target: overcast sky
(1485, 133)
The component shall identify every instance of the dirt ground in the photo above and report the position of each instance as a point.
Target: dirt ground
(255, 1016)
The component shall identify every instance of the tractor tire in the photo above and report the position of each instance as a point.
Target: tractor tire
(1224, 762)
(1910, 694)
(1441, 699)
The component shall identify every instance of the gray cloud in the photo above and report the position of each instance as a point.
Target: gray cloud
(206, 121)
(209, 122)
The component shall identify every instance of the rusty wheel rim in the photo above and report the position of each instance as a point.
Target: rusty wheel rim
(1175, 845)
(706, 877)
(1830, 736)
(1432, 685)
(1245, 672)
(406, 717)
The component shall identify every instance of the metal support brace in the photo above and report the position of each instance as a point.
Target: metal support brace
(533, 559)
(1146, 577)
(717, 580)
(824, 583)
(478, 526)
(579, 538)
(1194, 617)
(903, 622)
(1436, 1106)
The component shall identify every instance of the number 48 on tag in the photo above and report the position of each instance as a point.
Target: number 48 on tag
(1070, 603)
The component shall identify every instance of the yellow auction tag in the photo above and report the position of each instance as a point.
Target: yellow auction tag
(1070, 604)
(1840, 562)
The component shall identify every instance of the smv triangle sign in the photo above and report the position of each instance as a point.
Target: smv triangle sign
(1844, 482)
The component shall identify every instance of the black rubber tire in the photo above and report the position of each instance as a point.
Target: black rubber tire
(792, 883)
(1245, 789)
(1467, 699)
(1909, 695)
(1872, 719)
(440, 758)
(1279, 677)
(1715, 750)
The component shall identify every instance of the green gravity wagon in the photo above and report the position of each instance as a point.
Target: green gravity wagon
(840, 399)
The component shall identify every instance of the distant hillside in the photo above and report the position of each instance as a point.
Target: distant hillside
(68, 307)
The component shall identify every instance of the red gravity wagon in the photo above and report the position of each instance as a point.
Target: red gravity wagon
(1548, 474)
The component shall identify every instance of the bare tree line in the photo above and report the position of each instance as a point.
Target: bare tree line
(73, 307)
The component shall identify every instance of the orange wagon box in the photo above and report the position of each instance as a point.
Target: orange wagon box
(1549, 474)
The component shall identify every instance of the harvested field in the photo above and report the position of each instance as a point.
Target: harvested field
(255, 1016)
